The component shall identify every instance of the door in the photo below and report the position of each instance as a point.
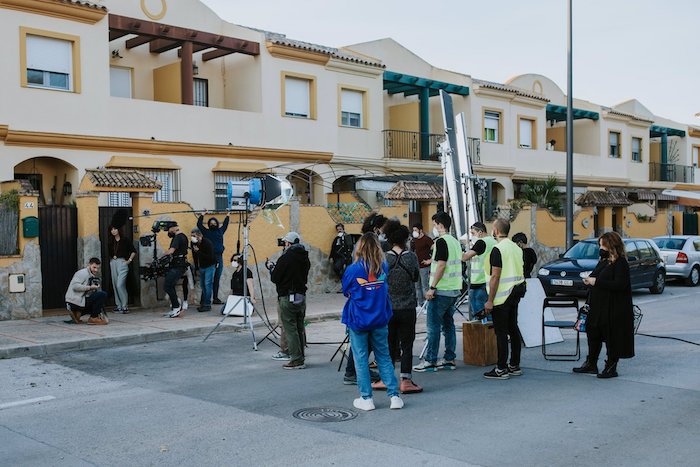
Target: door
(58, 234)
(690, 223)
(633, 260)
(132, 280)
(647, 260)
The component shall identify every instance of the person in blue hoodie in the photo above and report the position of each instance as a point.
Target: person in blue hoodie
(215, 234)
(366, 314)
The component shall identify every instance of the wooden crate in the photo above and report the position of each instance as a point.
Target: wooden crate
(479, 344)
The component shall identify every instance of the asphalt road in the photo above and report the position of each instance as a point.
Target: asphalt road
(184, 402)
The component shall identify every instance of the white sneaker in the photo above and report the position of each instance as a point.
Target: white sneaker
(366, 404)
(175, 312)
(185, 305)
(396, 402)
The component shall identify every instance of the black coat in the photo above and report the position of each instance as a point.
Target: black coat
(611, 307)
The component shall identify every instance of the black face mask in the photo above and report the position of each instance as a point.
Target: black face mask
(604, 254)
(213, 226)
(171, 234)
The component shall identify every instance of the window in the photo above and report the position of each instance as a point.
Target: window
(614, 143)
(299, 96)
(119, 199)
(201, 92)
(492, 123)
(645, 250)
(352, 105)
(119, 82)
(221, 180)
(696, 154)
(637, 149)
(631, 250)
(526, 133)
(170, 180)
(49, 62)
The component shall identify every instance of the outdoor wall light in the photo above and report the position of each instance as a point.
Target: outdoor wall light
(115, 54)
(67, 188)
(195, 69)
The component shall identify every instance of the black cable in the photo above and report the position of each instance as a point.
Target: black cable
(669, 337)
(268, 323)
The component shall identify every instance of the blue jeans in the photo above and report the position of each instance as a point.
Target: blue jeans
(206, 279)
(477, 300)
(440, 317)
(217, 274)
(379, 339)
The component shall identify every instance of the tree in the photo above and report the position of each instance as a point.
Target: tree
(543, 193)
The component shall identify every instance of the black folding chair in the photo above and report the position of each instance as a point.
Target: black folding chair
(560, 302)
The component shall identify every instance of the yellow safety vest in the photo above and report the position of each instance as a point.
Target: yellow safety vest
(477, 263)
(452, 277)
(511, 271)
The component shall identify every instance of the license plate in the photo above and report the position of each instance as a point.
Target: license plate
(565, 282)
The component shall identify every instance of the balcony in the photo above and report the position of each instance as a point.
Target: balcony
(400, 144)
(660, 172)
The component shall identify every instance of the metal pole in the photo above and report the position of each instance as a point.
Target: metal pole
(569, 138)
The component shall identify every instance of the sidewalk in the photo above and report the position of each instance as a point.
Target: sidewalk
(48, 335)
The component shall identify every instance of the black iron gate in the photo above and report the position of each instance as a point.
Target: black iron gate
(132, 280)
(58, 238)
(690, 223)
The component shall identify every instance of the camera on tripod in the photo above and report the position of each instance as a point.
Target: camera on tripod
(159, 266)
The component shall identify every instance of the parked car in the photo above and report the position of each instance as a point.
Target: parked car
(681, 254)
(565, 275)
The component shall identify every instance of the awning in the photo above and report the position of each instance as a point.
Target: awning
(396, 83)
(241, 167)
(652, 195)
(142, 163)
(423, 191)
(656, 131)
(603, 198)
(557, 113)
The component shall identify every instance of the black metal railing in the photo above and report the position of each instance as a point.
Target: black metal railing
(401, 144)
(660, 172)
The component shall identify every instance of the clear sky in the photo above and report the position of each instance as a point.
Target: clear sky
(623, 49)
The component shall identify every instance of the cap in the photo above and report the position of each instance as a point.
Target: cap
(292, 237)
(195, 230)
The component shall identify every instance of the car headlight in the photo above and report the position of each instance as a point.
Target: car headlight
(543, 272)
(584, 274)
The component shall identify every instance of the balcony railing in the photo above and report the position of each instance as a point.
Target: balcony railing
(400, 144)
(659, 172)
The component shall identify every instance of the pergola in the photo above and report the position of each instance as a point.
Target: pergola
(164, 37)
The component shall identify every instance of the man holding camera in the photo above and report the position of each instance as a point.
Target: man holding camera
(84, 295)
(178, 263)
(290, 275)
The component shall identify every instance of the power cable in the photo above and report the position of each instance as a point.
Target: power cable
(669, 337)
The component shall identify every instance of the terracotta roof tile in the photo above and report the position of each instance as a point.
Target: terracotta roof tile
(508, 88)
(603, 198)
(84, 3)
(405, 190)
(281, 39)
(121, 178)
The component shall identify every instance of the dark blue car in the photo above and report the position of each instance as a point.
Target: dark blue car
(565, 275)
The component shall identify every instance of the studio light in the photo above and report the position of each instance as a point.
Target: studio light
(270, 192)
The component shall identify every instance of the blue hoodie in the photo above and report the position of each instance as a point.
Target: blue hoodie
(368, 306)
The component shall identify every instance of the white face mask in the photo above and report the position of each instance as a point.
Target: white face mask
(382, 237)
(415, 234)
(436, 232)
(234, 264)
(194, 239)
(340, 234)
(474, 239)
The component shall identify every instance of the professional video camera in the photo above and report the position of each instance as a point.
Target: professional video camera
(159, 266)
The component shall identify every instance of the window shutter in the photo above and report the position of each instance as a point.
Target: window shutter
(297, 99)
(525, 133)
(491, 120)
(351, 101)
(120, 82)
(48, 54)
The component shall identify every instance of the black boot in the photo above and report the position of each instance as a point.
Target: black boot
(610, 370)
(589, 367)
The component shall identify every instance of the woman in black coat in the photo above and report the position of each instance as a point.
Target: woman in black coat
(610, 318)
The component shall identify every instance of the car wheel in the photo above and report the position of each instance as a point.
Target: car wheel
(659, 283)
(693, 278)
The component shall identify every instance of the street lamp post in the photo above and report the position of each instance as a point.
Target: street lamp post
(569, 139)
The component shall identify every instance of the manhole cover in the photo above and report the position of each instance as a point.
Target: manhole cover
(324, 414)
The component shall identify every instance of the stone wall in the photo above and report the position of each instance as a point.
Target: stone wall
(28, 304)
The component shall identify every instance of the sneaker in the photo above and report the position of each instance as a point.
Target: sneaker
(514, 370)
(379, 386)
(281, 356)
(185, 305)
(446, 365)
(396, 402)
(349, 379)
(125, 311)
(373, 364)
(497, 373)
(203, 308)
(75, 316)
(298, 365)
(407, 386)
(364, 404)
(97, 321)
(216, 301)
(176, 313)
(425, 366)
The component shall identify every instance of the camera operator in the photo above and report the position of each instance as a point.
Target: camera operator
(290, 275)
(215, 233)
(207, 267)
(178, 262)
(341, 251)
(84, 295)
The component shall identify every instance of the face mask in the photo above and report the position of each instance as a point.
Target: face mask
(436, 232)
(213, 226)
(194, 239)
(415, 234)
(234, 264)
(171, 234)
(604, 254)
(474, 239)
(340, 234)
(382, 237)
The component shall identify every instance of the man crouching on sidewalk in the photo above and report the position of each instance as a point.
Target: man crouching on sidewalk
(83, 296)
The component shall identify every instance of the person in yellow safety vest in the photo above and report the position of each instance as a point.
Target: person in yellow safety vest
(505, 287)
(482, 244)
(445, 289)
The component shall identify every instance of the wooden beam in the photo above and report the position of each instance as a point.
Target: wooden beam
(195, 49)
(138, 40)
(158, 46)
(206, 56)
(114, 35)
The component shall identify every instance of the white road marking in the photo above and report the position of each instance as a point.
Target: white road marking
(7, 405)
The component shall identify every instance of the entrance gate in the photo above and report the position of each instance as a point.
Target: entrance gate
(58, 238)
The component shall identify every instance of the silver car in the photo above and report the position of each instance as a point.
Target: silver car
(681, 254)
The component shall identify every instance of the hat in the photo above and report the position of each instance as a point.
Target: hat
(195, 230)
(292, 237)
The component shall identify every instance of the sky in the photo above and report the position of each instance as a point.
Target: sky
(622, 49)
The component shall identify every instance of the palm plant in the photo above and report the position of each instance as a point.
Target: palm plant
(543, 193)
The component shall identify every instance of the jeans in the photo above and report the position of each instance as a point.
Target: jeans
(95, 303)
(119, 269)
(505, 323)
(440, 317)
(206, 279)
(171, 277)
(477, 299)
(379, 339)
(422, 284)
(217, 275)
(292, 317)
(402, 333)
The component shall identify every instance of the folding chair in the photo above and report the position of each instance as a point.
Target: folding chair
(560, 302)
